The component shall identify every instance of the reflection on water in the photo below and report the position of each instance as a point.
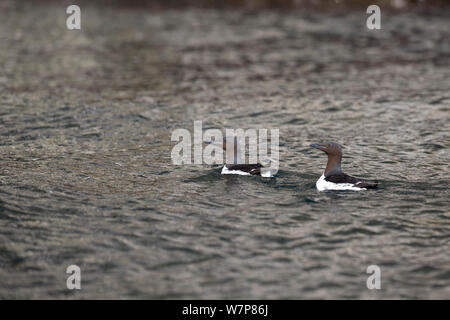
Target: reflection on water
(86, 177)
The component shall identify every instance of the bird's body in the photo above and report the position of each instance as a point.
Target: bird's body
(342, 182)
(242, 169)
(333, 177)
(235, 162)
(247, 170)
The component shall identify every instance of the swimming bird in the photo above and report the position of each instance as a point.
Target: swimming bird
(333, 178)
(235, 163)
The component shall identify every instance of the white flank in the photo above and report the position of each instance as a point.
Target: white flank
(265, 172)
(225, 170)
(324, 185)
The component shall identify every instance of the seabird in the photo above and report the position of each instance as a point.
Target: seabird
(333, 178)
(237, 165)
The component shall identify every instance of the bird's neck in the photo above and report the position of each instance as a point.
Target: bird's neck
(333, 165)
(234, 155)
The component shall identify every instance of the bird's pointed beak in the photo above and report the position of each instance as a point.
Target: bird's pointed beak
(217, 143)
(317, 146)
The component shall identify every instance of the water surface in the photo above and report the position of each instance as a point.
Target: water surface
(86, 176)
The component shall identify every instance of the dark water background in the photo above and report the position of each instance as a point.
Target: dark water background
(86, 176)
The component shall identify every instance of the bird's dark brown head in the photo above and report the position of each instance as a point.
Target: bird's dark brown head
(334, 152)
(225, 142)
(231, 147)
(331, 148)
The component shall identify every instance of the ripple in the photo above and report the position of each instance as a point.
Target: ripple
(86, 176)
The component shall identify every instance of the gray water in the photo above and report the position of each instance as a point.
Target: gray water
(86, 176)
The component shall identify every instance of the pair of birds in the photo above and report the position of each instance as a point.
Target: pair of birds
(333, 178)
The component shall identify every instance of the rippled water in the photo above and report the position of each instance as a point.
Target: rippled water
(86, 177)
